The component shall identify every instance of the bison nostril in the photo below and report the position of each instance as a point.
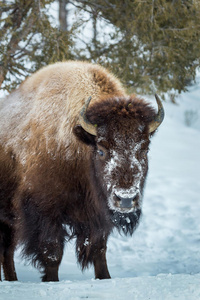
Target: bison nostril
(135, 198)
(117, 198)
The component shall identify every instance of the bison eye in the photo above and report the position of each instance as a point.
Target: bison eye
(101, 152)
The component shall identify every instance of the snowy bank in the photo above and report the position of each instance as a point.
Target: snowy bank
(161, 287)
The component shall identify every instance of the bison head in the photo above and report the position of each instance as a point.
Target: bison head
(119, 130)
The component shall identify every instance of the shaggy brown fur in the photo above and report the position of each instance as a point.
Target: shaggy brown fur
(51, 173)
(8, 184)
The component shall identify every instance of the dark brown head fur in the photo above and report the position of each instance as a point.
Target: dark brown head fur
(116, 108)
(120, 149)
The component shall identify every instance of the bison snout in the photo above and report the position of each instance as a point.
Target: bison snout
(125, 201)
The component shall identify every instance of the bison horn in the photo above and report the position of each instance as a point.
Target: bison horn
(84, 122)
(159, 117)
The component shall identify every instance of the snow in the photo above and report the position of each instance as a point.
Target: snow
(116, 160)
(162, 259)
(165, 286)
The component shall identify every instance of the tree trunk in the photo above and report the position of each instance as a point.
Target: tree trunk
(63, 15)
(1, 76)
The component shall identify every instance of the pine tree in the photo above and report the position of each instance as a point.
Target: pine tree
(153, 45)
(156, 44)
(28, 41)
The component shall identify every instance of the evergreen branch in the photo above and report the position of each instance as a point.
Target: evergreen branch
(180, 29)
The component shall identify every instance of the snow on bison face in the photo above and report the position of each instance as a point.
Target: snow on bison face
(121, 166)
(119, 130)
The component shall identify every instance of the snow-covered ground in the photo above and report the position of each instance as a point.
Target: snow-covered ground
(162, 260)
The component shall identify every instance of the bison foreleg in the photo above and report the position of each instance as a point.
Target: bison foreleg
(93, 252)
(43, 238)
(46, 255)
(50, 259)
(7, 247)
(8, 265)
(99, 260)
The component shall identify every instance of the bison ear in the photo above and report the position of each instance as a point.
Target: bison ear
(84, 136)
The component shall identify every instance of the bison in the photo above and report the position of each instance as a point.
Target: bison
(73, 164)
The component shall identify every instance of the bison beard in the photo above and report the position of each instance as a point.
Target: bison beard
(71, 170)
